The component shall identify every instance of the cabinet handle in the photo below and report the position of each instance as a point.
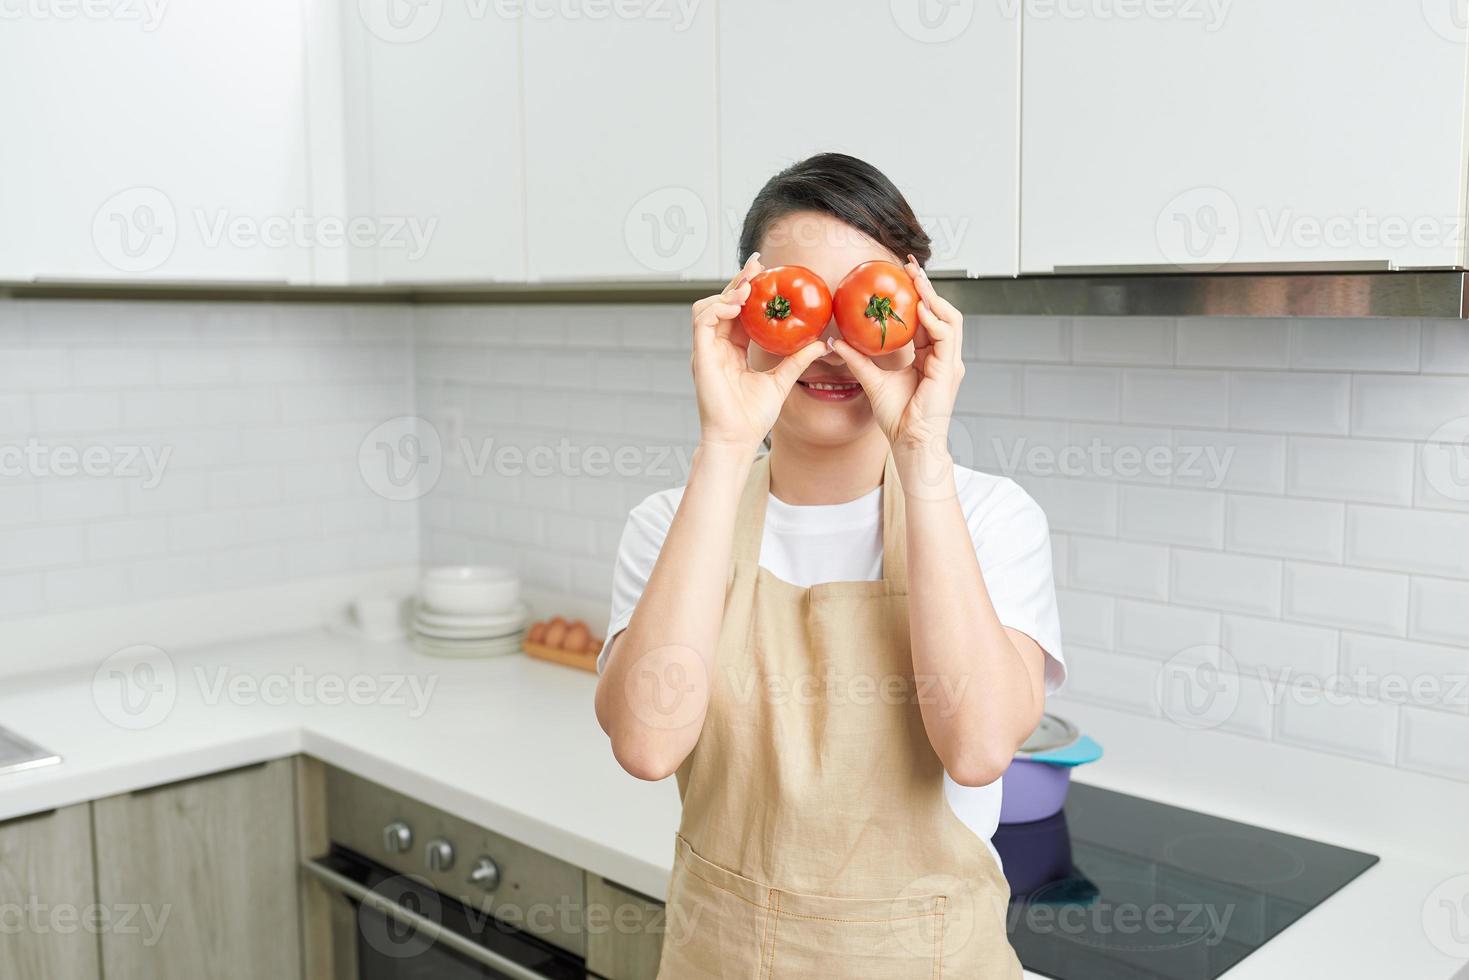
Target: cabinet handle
(361, 893)
(146, 790)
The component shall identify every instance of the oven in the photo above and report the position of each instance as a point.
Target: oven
(402, 891)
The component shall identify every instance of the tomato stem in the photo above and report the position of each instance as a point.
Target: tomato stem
(880, 308)
(778, 308)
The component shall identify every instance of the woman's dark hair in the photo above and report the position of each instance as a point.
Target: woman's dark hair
(851, 190)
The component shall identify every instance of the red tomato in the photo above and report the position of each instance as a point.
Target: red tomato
(789, 306)
(877, 307)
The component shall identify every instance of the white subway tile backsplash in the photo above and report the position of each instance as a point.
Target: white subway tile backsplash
(1168, 397)
(1130, 453)
(1285, 528)
(34, 369)
(1169, 516)
(1354, 345)
(1231, 583)
(1338, 723)
(1119, 567)
(1406, 671)
(1433, 742)
(1245, 461)
(997, 389)
(1235, 343)
(1279, 401)
(1082, 393)
(1085, 506)
(1350, 598)
(1087, 618)
(76, 411)
(1153, 629)
(1431, 542)
(1279, 648)
(1118, 340)
(1439, 611)
(1366, 470)
(1406, 407)
(1113, 680)
(1445, 347)
(112, 367)
(998, 338)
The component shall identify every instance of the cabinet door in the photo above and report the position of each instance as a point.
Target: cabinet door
(1246, 132)
(928, 93)
(46, 876)
(433, 137)
(165, 141)
(620, 134)
(624, 932)
(218, 856)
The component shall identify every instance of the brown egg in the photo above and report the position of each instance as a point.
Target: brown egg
(555, 633)
(576, 636)
(536, 633)
(594, 644)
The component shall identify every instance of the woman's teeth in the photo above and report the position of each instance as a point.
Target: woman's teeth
(826, 386)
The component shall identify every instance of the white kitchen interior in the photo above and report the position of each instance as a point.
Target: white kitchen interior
(306, 300)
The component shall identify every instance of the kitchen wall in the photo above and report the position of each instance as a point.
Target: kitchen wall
(150, 450)
(1258, 524)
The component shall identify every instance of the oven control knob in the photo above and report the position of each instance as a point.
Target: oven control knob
(486, 874)
(397, 837)
(439, 855)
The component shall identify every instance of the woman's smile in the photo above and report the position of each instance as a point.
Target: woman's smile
(830, 389)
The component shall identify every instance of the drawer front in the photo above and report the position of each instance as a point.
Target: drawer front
(536, 893)
(624, 932)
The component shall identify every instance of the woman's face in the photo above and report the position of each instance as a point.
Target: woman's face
(831, 249)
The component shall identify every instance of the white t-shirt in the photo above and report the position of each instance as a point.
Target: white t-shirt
(843, 543)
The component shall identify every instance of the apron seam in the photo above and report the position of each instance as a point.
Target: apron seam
(774, 899)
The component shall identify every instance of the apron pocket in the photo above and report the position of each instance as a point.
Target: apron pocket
(856, 939)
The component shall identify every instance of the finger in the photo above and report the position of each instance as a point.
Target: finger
(929, 295)
(868, 375)
(789, 370)
(940, 332)
(748, 271)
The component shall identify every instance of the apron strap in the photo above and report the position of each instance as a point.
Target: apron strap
(750, 518)
(894, 529)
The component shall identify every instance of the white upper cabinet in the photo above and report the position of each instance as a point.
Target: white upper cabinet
(926, 92)
(433, 144)
(154, 140)
(620, 140)
(1253, 132)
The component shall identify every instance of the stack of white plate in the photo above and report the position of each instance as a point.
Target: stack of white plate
(468, 611)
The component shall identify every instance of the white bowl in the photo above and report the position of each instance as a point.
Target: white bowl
(469, 589)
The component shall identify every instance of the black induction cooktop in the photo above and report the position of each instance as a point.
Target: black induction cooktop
(1118, 887)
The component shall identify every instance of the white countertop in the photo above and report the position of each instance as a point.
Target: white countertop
(512, 744)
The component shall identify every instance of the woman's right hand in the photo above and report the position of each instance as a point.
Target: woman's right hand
(737, 404)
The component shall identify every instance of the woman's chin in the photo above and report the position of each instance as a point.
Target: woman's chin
(829, 423)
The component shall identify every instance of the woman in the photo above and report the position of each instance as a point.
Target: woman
(837, 647)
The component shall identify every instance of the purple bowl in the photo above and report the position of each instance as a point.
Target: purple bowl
(1033, 791)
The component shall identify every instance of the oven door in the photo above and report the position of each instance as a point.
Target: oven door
(401, 929)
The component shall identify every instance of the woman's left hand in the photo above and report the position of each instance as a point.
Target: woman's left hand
(913, 405)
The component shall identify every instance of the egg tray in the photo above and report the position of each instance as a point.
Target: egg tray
(556, 655)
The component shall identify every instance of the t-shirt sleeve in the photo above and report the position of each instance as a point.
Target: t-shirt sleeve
(642, 540)
(1013, 541)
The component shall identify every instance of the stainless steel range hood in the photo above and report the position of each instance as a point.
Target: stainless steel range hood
(1300, 291)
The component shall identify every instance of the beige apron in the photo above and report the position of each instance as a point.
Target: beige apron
(816, 840)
